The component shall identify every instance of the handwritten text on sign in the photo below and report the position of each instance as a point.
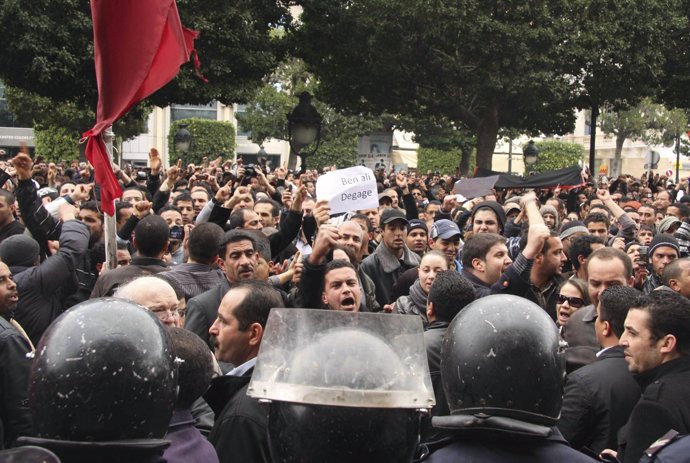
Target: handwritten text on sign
(348, 189)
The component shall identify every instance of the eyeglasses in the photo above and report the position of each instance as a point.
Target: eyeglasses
(574, 302)
(164, 314)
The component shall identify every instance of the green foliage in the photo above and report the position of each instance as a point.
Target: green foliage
(554, 155)
(490, 65)
(56, 144)
(340, 137)
(51, 49)
(439, 59)
(32, 109)
(266, 117)
(433, 159)
(209, 138)
(619, 50)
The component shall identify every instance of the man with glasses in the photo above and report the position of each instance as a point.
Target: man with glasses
(154, 294)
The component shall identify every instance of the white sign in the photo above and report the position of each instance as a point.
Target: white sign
(348, 189)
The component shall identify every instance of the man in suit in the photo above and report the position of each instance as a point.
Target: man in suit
(590, 417)
(657, 349)
(239, 432)
(606, 267)
(238, 258)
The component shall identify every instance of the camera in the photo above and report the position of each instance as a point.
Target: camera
(249, 172)
(177, 232)
(141, 175)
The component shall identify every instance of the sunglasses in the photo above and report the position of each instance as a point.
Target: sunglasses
(574, 302)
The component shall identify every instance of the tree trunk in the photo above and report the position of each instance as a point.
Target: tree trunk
(465, 155)
(616, 167)
(487, 134)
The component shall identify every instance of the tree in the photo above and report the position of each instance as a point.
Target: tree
(647, 121)
(441, 136)
(483, 64)
(435, 159)
(554, 154)
(265, 117)
(625, 124)
(618, 53)
(674, 87)
(48, 52)
(209, 138)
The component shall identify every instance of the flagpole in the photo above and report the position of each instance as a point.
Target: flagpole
(109, 220)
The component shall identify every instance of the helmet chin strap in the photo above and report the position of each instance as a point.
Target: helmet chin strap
(494, 423)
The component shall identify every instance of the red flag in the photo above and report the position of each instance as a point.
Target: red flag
(139, 46)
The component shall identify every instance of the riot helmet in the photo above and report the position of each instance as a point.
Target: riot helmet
(342, 386)
(104, 371)
(502, 364)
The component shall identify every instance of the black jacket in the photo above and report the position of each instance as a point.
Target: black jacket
(488, 447)
(202, 311)
(597, 402)
(116, 451)
(581, 338)
(433, 338)
(42, 289)
(515, 280)
(665, 405)
(15, 417)
(240, 432)
(109, 281)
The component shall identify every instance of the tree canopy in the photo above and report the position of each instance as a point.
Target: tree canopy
(486, 64)
(48, 53)
(265, 116)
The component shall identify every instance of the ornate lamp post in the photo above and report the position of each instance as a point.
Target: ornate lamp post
(304, 129)
(530, 154)
(183, 141)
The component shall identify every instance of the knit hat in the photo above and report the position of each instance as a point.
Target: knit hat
(416, 224)
(632, 205)
(550, 210)
(660, 240)
(572, 227)
(508, 207)
(19, 251)
(494, 206)
(667, 222)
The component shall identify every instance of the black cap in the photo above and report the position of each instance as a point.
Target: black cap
(390, 214)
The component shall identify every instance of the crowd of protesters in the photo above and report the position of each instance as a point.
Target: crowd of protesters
(211, 248)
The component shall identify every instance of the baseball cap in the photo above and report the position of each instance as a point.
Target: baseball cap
(444, 229)
(389, 214)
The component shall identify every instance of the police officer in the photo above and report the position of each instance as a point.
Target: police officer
(347, 388)
(502, 370)
(103, 384)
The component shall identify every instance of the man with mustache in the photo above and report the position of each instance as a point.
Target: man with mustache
(237, 257)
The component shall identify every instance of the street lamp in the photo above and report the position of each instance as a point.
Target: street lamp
(530, 153)
(304, 128)
(182, 141)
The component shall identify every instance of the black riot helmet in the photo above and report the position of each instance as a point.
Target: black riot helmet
(104, 371)
(340, 388)
(501, 357)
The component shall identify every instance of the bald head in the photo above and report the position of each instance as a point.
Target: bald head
(155, 294)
